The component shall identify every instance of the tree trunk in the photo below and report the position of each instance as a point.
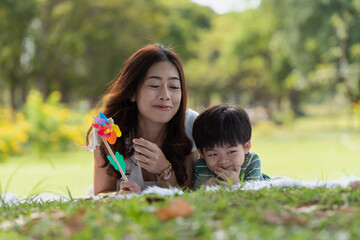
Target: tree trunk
(294, 98)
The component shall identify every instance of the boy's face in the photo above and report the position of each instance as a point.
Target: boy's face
(227, 157)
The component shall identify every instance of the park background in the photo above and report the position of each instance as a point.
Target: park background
(293, 65)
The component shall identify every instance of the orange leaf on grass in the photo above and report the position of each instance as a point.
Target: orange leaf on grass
(75, 223)
(176, 208)
(275, 218)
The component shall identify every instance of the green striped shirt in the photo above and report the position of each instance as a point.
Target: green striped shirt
(251, 169)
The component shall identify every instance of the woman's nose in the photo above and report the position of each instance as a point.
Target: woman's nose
(164, 93)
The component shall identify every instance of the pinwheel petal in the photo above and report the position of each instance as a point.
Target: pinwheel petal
(103, 134)
(101, 115)
(117, 130)
(112, 138)
(99, 121)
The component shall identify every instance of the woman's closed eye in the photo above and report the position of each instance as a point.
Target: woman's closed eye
(153, 86)
(175, 87)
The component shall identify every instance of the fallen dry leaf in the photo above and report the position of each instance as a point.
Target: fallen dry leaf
(154, 199)
(282, 218)
(176, 208)
(75, 223)
(355, 185)
(233, 204)
(22, 221)
(306, 208)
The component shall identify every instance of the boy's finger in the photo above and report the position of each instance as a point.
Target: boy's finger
(237, 168)
(220, 182)
(222, 173)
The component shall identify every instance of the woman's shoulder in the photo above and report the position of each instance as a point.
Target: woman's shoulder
(190, 116)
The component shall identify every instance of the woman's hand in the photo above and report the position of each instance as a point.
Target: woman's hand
(129, 187)
(228, 174)
(149, 156)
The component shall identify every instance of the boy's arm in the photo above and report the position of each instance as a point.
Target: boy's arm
(253, 170)
(201, 173)
(189, 164)
(197, 180)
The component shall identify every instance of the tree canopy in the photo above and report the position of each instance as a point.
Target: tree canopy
(285, 51)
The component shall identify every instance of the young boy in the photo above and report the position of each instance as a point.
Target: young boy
(222, 135)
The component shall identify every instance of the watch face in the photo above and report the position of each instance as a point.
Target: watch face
(167, 175)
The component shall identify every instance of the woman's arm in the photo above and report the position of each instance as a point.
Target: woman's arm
(189, 164)
(102, 182)
(172, 181)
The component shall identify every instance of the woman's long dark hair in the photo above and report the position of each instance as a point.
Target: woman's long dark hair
(176, 146)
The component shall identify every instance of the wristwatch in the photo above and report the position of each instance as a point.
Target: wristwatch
(166, 173)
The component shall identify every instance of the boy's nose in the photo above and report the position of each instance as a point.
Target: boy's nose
(224, 160)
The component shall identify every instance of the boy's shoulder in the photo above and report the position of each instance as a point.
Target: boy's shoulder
(251, 155)
(200, 162)
(201, 168)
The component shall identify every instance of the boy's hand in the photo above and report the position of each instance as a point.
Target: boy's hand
(228, 175)
(210, 182)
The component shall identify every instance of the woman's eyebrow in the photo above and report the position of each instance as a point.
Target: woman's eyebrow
(159, 78)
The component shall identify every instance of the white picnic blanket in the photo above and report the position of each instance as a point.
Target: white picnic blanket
(11, 198)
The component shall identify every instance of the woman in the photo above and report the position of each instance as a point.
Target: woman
(148, 102)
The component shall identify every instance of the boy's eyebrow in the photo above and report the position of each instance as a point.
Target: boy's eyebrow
(226, 146)
(209, 149)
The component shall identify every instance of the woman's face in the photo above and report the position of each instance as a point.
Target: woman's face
(158, 97)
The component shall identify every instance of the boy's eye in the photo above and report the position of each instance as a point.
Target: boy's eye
(231, 151)
(212, 154)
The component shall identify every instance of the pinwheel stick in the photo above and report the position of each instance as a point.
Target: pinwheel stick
(115, 160)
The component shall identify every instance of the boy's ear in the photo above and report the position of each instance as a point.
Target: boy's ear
(247, 147)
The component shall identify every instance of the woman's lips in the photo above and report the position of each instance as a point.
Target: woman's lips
(162, 107)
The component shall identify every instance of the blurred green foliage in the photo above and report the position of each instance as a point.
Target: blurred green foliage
(281, 55)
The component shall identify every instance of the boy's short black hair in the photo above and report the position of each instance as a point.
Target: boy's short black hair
(220, 125)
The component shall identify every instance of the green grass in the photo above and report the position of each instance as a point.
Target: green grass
(55, 172)
(309, 148)
(286, 213)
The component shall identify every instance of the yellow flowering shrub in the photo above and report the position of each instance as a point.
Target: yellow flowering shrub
(53, 126)
(13, 132)
(42, 126)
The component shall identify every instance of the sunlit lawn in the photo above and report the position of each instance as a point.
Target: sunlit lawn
(307, 149)
(324, 148)
(56, 173)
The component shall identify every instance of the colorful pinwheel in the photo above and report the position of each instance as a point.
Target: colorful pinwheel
(109, 131)
(106, 128)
